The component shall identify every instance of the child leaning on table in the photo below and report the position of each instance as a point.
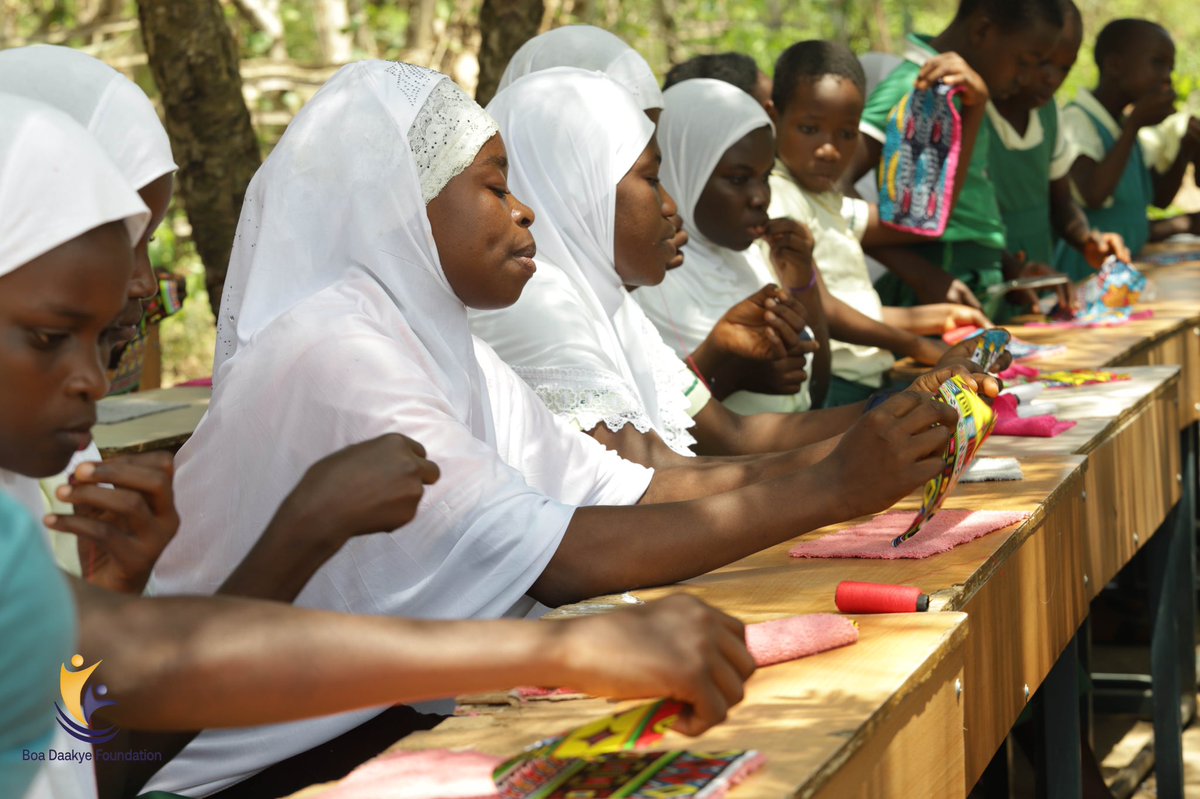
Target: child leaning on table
(818, 97)
(1127, 161)
(990, 49)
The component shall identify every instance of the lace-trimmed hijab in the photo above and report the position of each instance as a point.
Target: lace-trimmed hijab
(339, 325)
(575, 335)
(591, 48)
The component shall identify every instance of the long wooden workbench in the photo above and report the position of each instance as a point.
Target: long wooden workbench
(920, 705)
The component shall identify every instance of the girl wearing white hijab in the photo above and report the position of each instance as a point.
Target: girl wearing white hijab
(117, 113)
(702, 118)
(576, 336)
(67, 220)
(343, 320)
(591, 48)
(56, 188)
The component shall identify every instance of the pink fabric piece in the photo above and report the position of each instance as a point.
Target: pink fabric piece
(942, 533)
(528, 693)
(201, 382)
(1136, 316)
(798, 636)
(433, 774)
(1018, 370)
(1008, 423)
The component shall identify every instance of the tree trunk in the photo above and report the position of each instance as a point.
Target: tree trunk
(419, 35)
(333, 30)
(194, 60)
(505, 25)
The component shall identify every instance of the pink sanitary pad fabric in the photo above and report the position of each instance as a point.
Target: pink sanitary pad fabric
(943, 532)
(1008, 423)
(1018, 370)
(798, 636)
(433, 774)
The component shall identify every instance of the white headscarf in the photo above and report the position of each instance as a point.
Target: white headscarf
(339, 325)
(110, 106)
(701, 119)
(285, 249)
(575, 335)
(55, 184)
(590, 48)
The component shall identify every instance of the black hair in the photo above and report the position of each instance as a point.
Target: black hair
(1119, 34)
(736, 68)
(1013, 15)
(810, 61)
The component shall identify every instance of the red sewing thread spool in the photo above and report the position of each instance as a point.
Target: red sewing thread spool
(854, 597)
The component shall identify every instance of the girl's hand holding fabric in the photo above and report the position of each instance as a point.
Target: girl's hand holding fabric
(677, 647)
(953, 70)
(767, 325)
(981, 383)
(1099, 246)
(890, 451)
(124, 517)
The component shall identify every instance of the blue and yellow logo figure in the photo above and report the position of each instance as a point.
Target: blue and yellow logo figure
(80, 701)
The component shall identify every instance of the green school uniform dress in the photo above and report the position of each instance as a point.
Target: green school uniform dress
(1021, 173)
(1126, 213)
(974, 241)
(37, 633)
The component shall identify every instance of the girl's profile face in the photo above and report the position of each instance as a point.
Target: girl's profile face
(482, 232)
(56, 316)
(644, 232)
(732, 209)
(143, 285)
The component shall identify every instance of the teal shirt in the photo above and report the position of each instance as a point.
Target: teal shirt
(976, 218)
(37, 633)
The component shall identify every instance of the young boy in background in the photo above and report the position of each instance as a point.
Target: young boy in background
(991, 48)
(1124, 163)
(819, 96)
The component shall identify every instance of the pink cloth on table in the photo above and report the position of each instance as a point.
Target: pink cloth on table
(942, 533)
(202, 382)
(1018, 370)
(432, 774)
(1136, 316)
(1008, 423)
(796, 637)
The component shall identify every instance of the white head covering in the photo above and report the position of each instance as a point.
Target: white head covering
(575, 335)
(340, 325)
(590, 48)
(109, 105)
(285, 249)
(55, 184)
(701, 119)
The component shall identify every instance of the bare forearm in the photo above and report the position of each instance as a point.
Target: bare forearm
(854, 327)
(1098, 180)
(188, 663)
(677, 541)
(1166, 184)
(291, 550)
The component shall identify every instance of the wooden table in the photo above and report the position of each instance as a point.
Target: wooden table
(166, 430)
(877, 719)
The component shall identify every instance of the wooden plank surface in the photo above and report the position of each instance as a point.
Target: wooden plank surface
(831, 725)
(166, 430)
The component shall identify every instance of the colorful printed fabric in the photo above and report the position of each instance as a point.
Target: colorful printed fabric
(989, 347)
(1079, 377)
(1168, 258)
(633, 775)
(1117, 286)
(606, 758)
(1020, 349)
(975, 423)
(919, 161)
